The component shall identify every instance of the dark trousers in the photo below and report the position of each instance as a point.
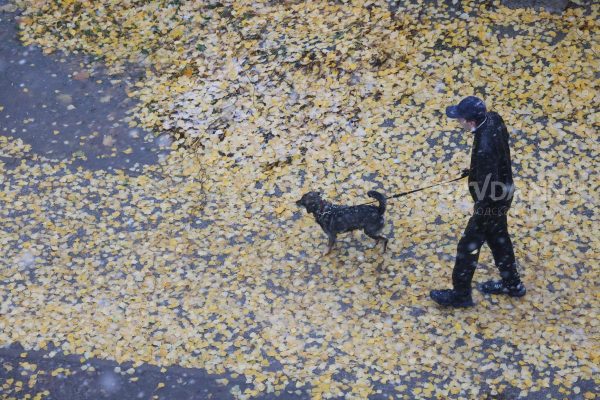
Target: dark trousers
(490, 229)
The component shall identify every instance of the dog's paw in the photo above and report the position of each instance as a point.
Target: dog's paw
(327, 251)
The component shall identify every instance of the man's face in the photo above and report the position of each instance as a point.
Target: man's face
(467, 125)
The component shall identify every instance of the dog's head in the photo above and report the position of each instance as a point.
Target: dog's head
(311, 201)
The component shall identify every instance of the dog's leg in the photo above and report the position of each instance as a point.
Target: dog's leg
(330, 243)
(385, 242)
(378, 238)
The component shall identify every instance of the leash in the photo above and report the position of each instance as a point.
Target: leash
(464, 175)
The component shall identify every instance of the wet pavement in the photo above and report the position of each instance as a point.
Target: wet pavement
(68, 109)
(56, 376)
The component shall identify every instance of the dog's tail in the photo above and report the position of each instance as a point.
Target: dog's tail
(380, 198)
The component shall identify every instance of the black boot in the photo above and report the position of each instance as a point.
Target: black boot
(452, 298)
(500, 287)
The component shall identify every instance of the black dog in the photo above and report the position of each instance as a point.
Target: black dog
(336, 219)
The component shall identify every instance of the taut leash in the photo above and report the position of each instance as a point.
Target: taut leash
(418, 190)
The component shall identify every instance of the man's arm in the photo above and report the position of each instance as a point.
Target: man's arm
(486, 172)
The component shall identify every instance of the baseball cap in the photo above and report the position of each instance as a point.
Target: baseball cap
(470, 108)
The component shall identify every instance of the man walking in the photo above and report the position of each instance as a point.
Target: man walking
(491, 187)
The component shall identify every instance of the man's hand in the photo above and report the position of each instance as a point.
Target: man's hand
(465, 172)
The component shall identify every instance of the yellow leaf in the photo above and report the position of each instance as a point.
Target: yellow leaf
(176, 33)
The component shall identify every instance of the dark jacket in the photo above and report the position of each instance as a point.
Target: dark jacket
(490, 177)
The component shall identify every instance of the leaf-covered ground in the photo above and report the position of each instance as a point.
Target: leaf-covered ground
(205, 261)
